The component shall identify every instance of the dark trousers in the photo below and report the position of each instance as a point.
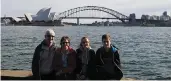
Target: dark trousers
(50, 76)
(66, 76)
(104, 75)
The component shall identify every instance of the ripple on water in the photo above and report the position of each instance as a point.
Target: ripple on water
(25, 53)
(165, 61)
(7, 39)
(6, 56)
(162, 78)
(9, 44)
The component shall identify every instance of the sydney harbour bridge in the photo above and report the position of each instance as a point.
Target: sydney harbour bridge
(91, 12)
(84, 12)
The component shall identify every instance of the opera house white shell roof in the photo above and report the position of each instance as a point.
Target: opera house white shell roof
(42, 15)
(17, 19)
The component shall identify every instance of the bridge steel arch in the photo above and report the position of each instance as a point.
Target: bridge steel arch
(114, 13)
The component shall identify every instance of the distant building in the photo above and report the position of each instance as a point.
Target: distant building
(132, 18)
(154, 17)
(165, 17)
(145, 17)
(151, 18)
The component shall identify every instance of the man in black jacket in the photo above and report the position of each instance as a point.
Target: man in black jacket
(43, 57)
(108, 61)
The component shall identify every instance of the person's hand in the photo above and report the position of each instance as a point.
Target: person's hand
(78, 76)
(59, 72)
(82, 77)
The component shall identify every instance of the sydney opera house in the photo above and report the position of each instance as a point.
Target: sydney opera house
(42, 18)
(43, 14)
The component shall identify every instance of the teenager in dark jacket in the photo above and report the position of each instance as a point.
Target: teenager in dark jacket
(86, 68)
(65, 60)
(43, 58)
(108, 61)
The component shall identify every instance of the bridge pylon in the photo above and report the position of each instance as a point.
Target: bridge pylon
(78, 22)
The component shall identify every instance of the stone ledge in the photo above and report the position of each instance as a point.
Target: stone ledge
(25, 75)
(16, 73)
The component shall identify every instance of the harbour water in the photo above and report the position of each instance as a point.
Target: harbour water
(145, 52)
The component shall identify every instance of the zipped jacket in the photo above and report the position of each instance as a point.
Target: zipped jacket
(36, 59)
(91, 66)
(71, 61)
(115, 66)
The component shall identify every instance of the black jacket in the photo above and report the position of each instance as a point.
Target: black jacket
(91, 67)
(102, 73)
(36, 60)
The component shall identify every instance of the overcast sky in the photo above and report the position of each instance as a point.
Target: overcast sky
(151, 7)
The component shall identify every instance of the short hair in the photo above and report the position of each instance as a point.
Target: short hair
(64, 38)
(105, 36)
(50, 32)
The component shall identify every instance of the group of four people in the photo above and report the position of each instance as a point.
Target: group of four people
(64, 63)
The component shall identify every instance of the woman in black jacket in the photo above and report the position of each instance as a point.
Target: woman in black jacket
(85, 67)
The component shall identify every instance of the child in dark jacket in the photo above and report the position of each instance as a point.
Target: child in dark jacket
(108, 61)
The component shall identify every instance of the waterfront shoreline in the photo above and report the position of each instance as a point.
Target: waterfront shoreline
(24, 75)
(88, 25)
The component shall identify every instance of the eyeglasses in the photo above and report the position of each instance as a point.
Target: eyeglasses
(50, 36)
(65, 42)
